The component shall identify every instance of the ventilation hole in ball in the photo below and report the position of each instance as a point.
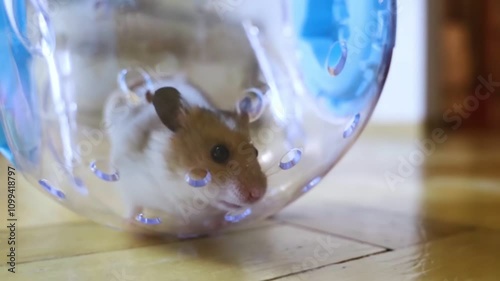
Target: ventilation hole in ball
(291, 159)
(311, 184)
(251, 29)
(52, 190)
(149, 221)
(235, 217)
(198, 178)
(336, 59)
(80, 186)
(130, 78)
(252, 104)
(104, 170)
(351, 128)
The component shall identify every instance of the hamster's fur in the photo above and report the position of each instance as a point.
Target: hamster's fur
(138, 142)
(153, 158)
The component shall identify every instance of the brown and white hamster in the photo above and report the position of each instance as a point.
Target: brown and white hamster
(176, 132)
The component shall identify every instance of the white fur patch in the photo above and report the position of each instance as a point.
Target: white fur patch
(230, 123)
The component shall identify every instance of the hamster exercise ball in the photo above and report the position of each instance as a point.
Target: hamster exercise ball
(187, 117)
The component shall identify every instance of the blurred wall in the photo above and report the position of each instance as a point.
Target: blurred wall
(404, 95)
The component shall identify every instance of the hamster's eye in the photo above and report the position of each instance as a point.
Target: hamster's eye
(220, 153)
(256, 152)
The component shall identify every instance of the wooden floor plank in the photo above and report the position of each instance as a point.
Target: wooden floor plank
(33, 207)
(74, 239)
(258, 254)
(472, 256)
(386, 229)
(448, 202)
(457, 183)
(473, 201)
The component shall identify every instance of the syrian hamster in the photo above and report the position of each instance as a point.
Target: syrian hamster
(175, 134)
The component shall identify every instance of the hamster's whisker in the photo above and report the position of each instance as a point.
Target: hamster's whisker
(271, 171)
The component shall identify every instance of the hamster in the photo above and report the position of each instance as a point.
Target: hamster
(174, 132)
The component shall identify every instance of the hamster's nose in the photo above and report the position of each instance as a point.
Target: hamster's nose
(254, 194)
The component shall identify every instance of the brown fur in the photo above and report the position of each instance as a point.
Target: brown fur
(201, 131)
(197, 131)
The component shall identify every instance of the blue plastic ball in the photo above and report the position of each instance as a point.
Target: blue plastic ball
(187, 117)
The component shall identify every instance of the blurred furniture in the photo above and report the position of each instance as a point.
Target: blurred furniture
(464, 39)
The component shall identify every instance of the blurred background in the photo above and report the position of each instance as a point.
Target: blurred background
(442, 48)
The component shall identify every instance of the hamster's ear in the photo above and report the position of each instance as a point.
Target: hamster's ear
(170, 108)
(244, 118)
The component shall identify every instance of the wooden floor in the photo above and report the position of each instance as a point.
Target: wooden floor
(436, 220)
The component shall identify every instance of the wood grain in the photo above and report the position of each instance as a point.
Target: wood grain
(83, 238)
(251, 255)
(375, 226)
(440, 223)
(466, 257)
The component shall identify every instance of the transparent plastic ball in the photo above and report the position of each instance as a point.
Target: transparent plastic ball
(186, 117)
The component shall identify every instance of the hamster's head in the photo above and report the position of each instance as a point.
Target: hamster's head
(213, 141)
